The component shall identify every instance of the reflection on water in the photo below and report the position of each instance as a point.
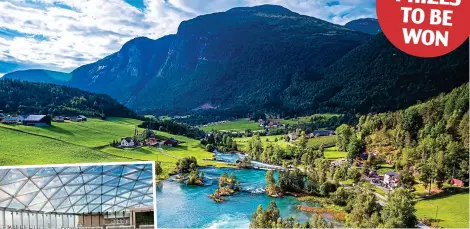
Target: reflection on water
(182, 206)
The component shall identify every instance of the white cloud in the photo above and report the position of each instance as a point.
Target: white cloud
(64, 34)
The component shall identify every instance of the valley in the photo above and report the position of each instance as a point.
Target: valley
(260, 117)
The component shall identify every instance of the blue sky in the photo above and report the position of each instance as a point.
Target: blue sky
(64, 34)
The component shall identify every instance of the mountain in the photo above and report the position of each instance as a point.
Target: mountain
(240, 58)
(365, 25)
(268, 58)
(123, 75)
(26, 97)
(377, 77)
(40, 76)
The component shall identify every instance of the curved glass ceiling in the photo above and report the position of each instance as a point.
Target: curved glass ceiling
(77, 189)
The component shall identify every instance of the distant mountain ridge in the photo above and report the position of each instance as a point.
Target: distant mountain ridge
(268, 58)
(40, 76)
(365, 25)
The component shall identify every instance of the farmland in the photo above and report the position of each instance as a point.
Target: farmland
(78, 142)
(236, 125)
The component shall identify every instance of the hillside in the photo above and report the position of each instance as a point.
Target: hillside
(87, 142)
(365, 25)
(428, 136)
(377, 77)
(25, 98)
(40, 76)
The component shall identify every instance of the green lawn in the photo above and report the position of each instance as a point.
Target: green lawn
(333, 153)
(236, 125)
(452, 210)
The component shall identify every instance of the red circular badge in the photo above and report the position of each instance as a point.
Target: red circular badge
(425, 28)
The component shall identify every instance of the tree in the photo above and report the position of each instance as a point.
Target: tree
(412, 121)
(406, 179)
(355, 146)
(158, 168)
(210, 148)
(426, 176)
(364, 205)
(343, 136)
(399, 210)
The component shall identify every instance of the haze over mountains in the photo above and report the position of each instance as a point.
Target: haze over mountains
(265, 58)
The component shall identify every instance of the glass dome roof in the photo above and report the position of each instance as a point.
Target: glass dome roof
(77, 189)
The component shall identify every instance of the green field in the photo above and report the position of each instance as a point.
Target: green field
(332, 153)
(236, 125)
(452, 210)
(307, 119)
(327, 141)
(242, 143)
(79, 142)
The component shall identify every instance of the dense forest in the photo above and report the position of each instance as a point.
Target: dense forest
(430, 139)
(20, 97)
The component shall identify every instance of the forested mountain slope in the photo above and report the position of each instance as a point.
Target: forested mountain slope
(39, 98)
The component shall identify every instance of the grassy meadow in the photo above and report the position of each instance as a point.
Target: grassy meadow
(236, 125)
(452, 210)
(333, 153)
(79, 142)
(307, 119)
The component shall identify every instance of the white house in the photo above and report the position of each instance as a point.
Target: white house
(391, 179)
(127, 142)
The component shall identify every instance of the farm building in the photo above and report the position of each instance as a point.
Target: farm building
(2, 116)
(127, 142)
(171, 142)
(10, 120)
(59, 119)
(83, 118)
(37, 120)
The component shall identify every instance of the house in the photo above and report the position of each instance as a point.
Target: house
(171, 142)
(391, 179)
(152, 141)
(58, 119)
(82, 118)
(37, 120)
(127, 142)
(10, 120)
(323, 132)
(2, 116)
(364, 156)
(21, 118)
(293, 136)
(457, 182)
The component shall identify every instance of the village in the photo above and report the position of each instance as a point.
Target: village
(38, 120)
(146, 138)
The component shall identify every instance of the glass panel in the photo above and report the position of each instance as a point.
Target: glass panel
(66, 178)
(55, 203)
(12, 176)
(3, 195)
(28, 187)
(48, 207)
(36, 207)
(116, 172)
(54, 183)
(50, 192)
(12, 188)
(46, 171)
(95, 170)
(15, 204)
(26, 199)
(40, 198)
(61, 193)
(42, 181)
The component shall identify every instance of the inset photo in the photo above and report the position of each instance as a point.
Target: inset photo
(108, 195)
